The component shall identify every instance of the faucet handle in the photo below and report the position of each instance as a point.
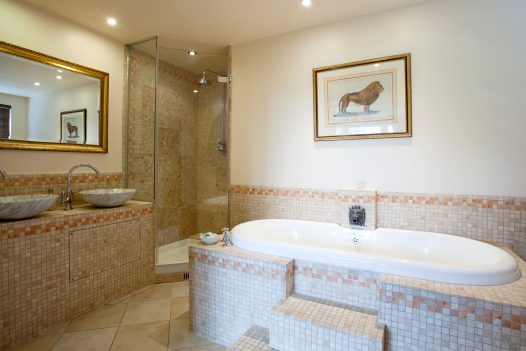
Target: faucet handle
(63, 197)
(227, 238)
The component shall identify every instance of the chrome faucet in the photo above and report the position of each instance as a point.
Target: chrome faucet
(67, 197)
(227, 237)
(4, 174)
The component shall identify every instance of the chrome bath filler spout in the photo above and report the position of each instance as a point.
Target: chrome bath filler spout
(67, 197)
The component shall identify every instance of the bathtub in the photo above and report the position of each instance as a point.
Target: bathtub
(424, 255)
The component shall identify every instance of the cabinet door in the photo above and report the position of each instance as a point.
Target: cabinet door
(97, 249)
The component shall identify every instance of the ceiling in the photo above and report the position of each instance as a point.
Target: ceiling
(208, 25)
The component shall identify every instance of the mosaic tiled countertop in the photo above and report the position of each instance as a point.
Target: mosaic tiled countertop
(77, 217)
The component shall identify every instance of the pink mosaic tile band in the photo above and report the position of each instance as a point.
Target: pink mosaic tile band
(463, 311)
(240, 266)
(307, 193)
(472, 201)
(349, 277)
(475, 201)
(19, 180)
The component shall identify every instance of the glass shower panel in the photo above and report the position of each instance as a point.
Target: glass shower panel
(140, 136)
(177, 143)
(212, 162)
(191, 162)
(176, 156)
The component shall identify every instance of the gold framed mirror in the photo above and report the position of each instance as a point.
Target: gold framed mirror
(49, 104)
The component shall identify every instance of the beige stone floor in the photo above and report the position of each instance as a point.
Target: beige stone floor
(153, 319)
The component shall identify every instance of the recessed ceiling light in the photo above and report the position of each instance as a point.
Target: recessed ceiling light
(192, 52)
(306, 3)
(196, 91)
(111, 21)
(376, 65)
(59, 77)
(59, 70)
(36, 84)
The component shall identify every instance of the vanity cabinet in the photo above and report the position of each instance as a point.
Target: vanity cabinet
(62, 264)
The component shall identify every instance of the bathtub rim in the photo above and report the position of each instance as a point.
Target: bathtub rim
(467, 276)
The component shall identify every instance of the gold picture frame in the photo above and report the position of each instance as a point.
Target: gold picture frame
(367, 99)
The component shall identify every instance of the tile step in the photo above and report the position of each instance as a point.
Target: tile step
(306, 323)
(254, 339)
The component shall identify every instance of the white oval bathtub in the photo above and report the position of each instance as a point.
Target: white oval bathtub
(432, 256)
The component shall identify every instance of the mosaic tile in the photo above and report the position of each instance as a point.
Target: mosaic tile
(58, 266)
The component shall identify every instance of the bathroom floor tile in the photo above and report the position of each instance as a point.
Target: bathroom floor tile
(210, 347)
(142, 337)
(180, 308)
(104, 317)
(44, 341)
(155, 318)
(127, 298)
(181, 289)
(181, 335)
(87, 340)
(155, 292)
(147, 312)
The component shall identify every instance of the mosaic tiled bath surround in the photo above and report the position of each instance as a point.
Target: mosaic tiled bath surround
(418, 314)
(244, 287)
(232, 290)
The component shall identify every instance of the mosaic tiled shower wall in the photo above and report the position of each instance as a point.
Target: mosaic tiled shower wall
(497, 220)
(175, 141)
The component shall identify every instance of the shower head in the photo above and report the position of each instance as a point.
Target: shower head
(203, 82)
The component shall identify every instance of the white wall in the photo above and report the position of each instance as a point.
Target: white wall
(19, 113)
(469, 125)
(34, 29)
(45, 109)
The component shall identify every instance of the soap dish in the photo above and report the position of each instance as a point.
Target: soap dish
(209, 238)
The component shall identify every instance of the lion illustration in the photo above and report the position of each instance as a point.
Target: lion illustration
(365, 97)
(71, 129)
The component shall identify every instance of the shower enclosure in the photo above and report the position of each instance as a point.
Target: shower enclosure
(176, 143)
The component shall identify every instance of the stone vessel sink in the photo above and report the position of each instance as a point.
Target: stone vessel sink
(25, 206)
(107, 197)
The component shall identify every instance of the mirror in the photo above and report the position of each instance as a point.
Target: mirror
(50, 104)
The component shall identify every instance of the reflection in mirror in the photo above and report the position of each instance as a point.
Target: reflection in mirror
(50, 104)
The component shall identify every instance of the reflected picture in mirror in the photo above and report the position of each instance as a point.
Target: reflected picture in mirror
(50, 104)
(73, 126)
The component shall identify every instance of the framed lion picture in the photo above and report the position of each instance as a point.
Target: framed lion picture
(364, 99)
(73, 126)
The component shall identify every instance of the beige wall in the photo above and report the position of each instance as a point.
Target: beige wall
(44, 110)
(468, 103)
(33, 29)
